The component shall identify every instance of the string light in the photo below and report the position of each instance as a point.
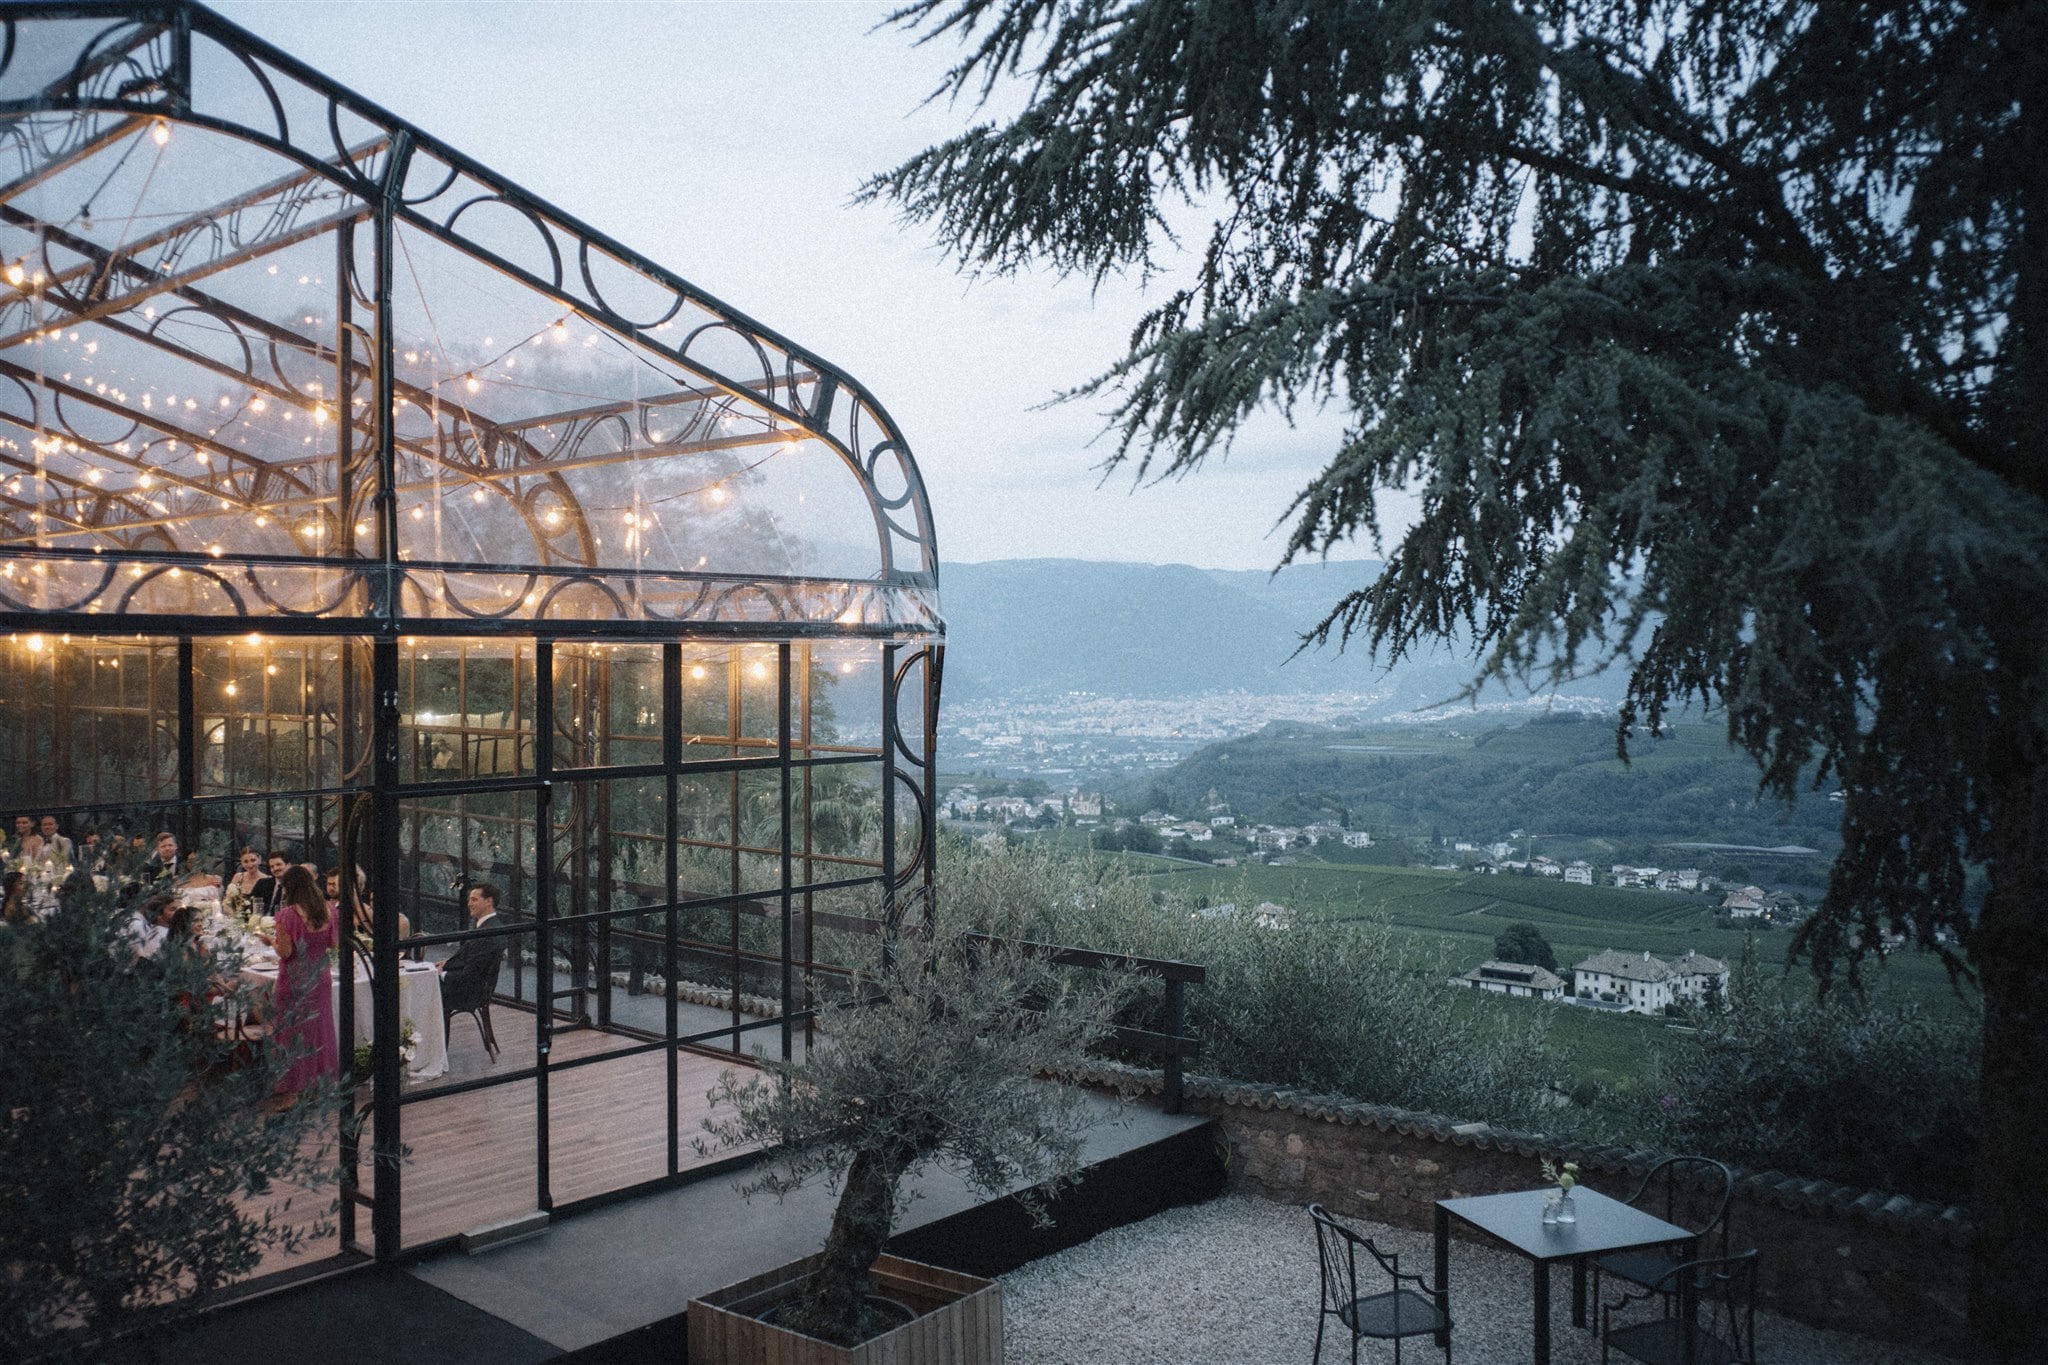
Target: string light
(160, 132)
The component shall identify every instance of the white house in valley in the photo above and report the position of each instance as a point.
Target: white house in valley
(1695, 974)
(1513, 978)
(1638, 981)
(1645, 984)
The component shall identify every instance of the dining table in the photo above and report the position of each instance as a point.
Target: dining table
(1515, 1221)
(419, 999)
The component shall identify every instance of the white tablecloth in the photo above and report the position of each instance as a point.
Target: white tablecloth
(419, 999)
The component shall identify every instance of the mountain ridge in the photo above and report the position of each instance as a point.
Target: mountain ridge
(1032, 628)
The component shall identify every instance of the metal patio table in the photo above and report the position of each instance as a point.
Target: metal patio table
(1516, 1221)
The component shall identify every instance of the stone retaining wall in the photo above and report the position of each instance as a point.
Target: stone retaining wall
(1882, 1267)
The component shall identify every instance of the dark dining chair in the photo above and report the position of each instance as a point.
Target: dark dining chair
(1392, 1314)
(1714, 1322)
(470, 993)
(1694, 1193)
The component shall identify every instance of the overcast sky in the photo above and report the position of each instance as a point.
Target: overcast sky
(724, 139)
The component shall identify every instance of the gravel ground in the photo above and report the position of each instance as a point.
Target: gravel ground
(1235, 1280)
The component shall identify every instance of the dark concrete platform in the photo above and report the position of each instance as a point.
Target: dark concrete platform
(377, 1313)
(611, 1283)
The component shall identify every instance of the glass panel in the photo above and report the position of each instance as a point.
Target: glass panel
(270, 713)
(760, 833)
(705, 817)
(184, 393)
(841, 682)
(87, 721)
(607, 1122)
(609, 852)
(470, 1158)
(448, 844)
(466, 709)
(839, 820)
(757, 669)
(708, 687)
(607, 705)
(533, 435)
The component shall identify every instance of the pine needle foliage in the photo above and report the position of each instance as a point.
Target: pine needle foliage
(1710, 337)
(133, 1142)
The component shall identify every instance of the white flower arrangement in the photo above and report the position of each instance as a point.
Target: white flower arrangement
(408, 1041)
(1563, 1179)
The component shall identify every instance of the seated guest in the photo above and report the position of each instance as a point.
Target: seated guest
(240, 891)
(471, 974)
(159, 871)
(268, 895)
(56, 848)
(151, 924)
(23, 827)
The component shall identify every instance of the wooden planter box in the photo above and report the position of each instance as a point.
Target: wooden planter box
(960, 1321)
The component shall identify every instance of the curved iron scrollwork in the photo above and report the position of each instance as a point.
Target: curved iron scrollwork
(88, 85)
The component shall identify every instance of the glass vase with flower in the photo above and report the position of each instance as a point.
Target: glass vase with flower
(1558, 1210)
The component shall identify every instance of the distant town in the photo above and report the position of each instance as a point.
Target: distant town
(1094, 736)
(1217, 836)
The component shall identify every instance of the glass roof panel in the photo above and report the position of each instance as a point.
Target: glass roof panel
(190, 332)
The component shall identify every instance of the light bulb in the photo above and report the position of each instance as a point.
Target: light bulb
(160, 132)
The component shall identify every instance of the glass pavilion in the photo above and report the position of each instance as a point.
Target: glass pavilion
(359, 505)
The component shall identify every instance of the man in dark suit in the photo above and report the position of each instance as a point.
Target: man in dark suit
(268, 893)
(158, 872)
(471, 974)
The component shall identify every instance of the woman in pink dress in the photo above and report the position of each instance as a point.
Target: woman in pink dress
(304, 1032)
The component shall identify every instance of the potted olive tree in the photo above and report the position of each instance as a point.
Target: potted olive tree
(935, 1058)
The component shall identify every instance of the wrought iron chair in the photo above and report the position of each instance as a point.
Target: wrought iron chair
(474, 1000)
(1391, 1315)
(1715, 1323)
(1691, 1191)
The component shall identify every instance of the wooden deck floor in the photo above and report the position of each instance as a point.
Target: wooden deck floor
(471, 1158)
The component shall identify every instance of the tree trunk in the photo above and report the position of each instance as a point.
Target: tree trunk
(836, 1306)
(2009, 1272)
